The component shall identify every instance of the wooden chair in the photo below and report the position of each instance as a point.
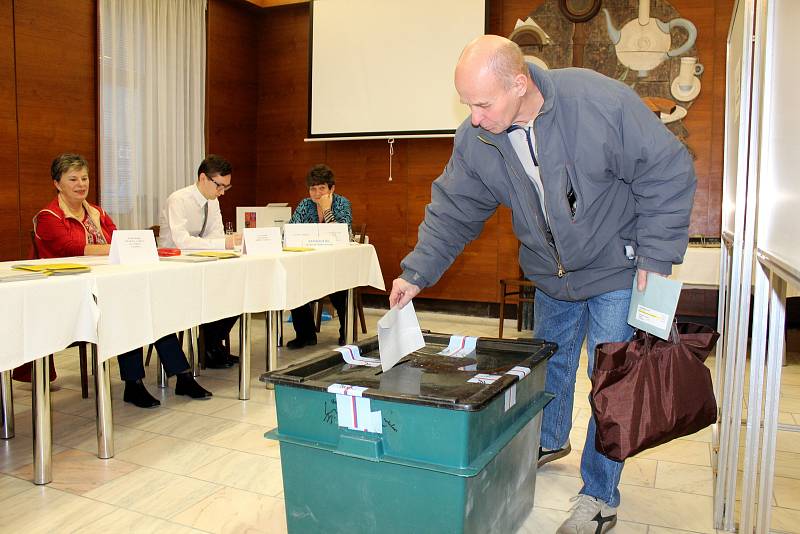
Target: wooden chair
(84, 365)
(521, 288)
(361, 238)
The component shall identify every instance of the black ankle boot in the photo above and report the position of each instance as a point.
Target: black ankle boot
(187, 385)
(137, 394)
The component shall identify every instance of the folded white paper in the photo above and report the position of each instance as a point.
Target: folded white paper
(352, 355)
(460, 346)
(133, 247)
(262, 241)
(398, 335)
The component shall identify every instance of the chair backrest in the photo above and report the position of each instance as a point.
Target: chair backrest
(361, 235)
(156, 228)
(34, 248)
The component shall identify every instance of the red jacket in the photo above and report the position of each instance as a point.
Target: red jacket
(58, 235)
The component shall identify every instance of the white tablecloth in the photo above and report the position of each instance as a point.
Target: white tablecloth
(137, 304)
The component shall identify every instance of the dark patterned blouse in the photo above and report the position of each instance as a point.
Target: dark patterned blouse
(340, 212)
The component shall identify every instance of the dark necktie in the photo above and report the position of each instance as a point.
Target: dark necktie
(205, 219)
(528, 136)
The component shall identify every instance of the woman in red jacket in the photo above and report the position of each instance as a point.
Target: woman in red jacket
(71, 226)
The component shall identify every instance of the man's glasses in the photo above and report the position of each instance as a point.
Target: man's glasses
(222, 187)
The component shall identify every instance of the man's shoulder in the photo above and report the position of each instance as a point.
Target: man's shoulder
(587, 85)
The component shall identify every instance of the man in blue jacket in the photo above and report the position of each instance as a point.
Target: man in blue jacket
(600, 192)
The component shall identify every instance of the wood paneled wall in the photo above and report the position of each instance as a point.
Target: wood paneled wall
(232, 97)
(393, 210)
(48, 105)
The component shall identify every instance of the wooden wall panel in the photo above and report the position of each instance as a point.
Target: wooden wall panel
(232, 97)
(9, 201)
(393, 210)
(55, 45)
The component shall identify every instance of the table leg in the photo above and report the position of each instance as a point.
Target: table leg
(42, 422)
(244, 356)
(7, 408)
(271, 337)
(162, 379)
(105, 422)
(348, 325)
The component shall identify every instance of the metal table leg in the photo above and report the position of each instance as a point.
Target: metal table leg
(162, 379)
(271, 338)
(105, 422)
(348, 325)
(244, 356)
(42, 422)
(7, 408)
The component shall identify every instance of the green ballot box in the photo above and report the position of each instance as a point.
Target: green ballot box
(439, 443)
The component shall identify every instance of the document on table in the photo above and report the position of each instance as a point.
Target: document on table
(398, 335)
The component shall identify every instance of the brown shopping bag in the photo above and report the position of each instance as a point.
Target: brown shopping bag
(648, 391)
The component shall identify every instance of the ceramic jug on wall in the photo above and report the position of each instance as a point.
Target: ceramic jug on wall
(645, 42)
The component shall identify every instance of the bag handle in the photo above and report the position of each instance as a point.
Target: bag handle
(674, 337)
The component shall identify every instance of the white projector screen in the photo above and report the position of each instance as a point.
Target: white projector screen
(381, 68)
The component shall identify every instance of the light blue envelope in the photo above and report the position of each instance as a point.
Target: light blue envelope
(654, 310)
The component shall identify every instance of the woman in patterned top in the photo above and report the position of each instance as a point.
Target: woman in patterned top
(322, 206)
(71, 226)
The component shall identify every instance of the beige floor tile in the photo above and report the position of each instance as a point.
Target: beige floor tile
(570, 465)
(245, 471)
(250, 412)
(172, 454)
(555, 491)
(231, 511)
(785, 520)
(18, 451)
(543, 520)
(123, 521)
(666, 508)
(788, 441)
(205, 407)
(684, 478)
(787, 464)
(577, 438)
(24, 511)
(154, 492)
(703, 435)
(663, 530)
(246, 438)
(680, 451)
(184, 425)
(10, 486)
(79, 472)
(63, 424)
(124, 439)
(70, 402)
(639, 472)
(787, 492)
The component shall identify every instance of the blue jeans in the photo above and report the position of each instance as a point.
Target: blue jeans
(603, 318)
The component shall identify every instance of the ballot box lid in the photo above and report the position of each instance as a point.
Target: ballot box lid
(425, 376)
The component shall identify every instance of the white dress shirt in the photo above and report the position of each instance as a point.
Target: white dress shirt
(182, 220)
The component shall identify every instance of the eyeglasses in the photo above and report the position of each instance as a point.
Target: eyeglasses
(223, 187)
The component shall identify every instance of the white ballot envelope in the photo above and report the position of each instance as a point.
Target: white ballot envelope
(261, 241)
(133, 247)
(398, 335)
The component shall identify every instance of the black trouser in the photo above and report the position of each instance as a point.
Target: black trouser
(215, 332)
(170, 353)
(303, 317)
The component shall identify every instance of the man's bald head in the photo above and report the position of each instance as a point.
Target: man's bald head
(492, 54)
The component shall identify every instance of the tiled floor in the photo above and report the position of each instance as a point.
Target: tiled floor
(192, 466)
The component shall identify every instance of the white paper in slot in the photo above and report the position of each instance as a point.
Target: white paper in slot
(352, 355)
(460, 346)
(484, 378)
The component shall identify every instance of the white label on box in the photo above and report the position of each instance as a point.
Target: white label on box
(460, 346)
(352, 355)
(133, 247)
(652, 317)
(483, 378)
(261, 241)
(354, 413)
(519, 371)
(510, 397)
(344, 389)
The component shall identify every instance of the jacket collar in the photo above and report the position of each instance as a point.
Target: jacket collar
(94, 213)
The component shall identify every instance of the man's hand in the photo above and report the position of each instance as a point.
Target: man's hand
(325, 201)
(402, 293)
(641, 279)
(233, 240)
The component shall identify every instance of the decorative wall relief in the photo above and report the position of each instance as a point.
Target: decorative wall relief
(645, 44)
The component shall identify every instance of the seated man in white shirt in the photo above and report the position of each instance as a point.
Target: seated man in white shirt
(192, 220)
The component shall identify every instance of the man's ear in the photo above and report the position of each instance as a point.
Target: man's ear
(521, 84)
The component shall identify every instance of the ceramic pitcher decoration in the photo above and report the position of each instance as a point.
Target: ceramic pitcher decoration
(645, 42)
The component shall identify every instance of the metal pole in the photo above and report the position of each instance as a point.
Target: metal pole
(190, 353)
(754, 428)
(105, 421)
(777, 322)
(271, 337)
(244, 356)
(348, 324)
(42, 422)
(162, 379)
(7, 411)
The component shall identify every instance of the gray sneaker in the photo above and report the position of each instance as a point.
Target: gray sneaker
(589, 516)
(548, 455)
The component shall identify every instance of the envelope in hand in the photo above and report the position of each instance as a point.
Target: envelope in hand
(398, 335)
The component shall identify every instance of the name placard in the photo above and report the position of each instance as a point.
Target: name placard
(133, 247)
(313, 235)
(261, 241)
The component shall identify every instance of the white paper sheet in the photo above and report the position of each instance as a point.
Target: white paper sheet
(398, 335)
(133, 247)
(460, 346)
(352, 355)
